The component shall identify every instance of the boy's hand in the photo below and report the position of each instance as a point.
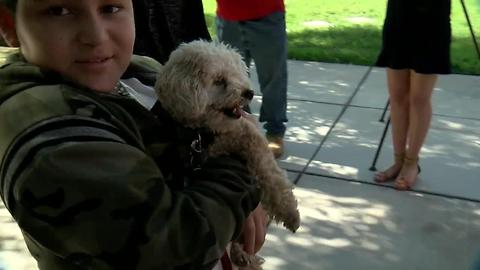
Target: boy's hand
(254, 230)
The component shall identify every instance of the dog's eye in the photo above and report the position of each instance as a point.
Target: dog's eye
(220, 82)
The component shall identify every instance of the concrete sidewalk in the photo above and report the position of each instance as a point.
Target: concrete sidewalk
(350, 222)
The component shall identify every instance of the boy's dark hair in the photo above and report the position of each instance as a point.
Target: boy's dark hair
(161, 25)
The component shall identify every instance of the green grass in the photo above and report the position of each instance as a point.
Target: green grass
(349, 31)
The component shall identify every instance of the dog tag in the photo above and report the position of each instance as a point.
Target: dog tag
(196, 153)
(196, 145)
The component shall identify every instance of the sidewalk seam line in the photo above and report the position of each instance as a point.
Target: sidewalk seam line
(338, 178)
(342, 112)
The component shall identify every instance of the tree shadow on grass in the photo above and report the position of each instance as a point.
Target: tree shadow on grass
(210, 19)
(361, 45)
(348, 45)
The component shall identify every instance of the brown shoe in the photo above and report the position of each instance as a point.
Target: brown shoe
(392, 172)
(409, 174)
(275, 143)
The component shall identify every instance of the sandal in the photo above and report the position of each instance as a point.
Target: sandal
(385, 176)
(401, 183)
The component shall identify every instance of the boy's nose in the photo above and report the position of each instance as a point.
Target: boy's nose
(92, 31)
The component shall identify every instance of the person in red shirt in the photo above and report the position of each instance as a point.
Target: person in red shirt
(257, 30)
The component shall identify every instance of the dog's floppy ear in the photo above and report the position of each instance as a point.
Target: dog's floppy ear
(180, 87)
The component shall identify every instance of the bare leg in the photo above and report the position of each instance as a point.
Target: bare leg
(399, 89)
(421, 88)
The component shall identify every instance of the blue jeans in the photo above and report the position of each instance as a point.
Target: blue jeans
(476, 265)
(264, 41)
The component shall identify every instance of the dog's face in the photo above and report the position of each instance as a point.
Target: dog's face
(204, 84)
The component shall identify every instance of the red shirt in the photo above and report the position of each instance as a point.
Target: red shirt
(6, 22)
(6, 17)
(241, 10)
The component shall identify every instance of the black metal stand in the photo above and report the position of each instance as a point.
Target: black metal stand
(382, 119)
(471, 28)
(380, 144)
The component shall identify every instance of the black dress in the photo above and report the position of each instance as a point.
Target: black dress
(417, 35)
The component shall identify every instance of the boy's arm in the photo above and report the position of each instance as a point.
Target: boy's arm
(93, 196)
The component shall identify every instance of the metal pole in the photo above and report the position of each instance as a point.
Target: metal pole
(382, 119)
(373, 168)
(471, 28)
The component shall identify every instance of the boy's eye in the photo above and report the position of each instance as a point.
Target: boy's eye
(110, 9)
(58, 11)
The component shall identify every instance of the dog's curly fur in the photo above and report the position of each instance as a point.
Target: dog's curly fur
(204, 85)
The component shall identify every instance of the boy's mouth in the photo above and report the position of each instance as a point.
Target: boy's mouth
(94, 60)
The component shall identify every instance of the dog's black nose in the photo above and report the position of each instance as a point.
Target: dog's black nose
(248, 94)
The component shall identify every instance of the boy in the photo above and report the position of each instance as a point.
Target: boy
(90, 175)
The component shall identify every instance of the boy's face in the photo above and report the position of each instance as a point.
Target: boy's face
(89, 41)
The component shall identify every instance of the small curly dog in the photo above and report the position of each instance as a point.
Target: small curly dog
(205, 85)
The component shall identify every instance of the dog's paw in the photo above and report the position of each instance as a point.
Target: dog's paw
(256, 263)
(243, 260)
(292, 221)
(238, 256)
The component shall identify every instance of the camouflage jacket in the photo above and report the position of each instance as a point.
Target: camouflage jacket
(87, 178)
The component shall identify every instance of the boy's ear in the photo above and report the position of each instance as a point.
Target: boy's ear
(7, 27)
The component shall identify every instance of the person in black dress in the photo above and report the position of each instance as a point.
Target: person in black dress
(416, 47)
